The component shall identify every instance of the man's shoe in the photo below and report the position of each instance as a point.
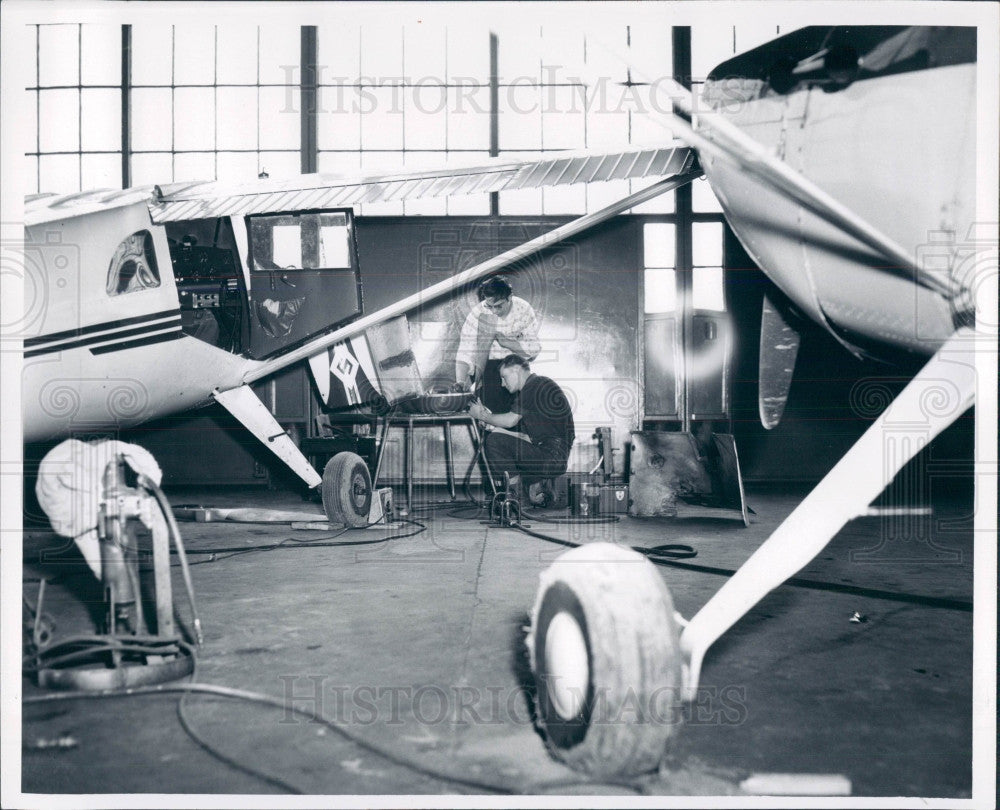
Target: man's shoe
(540, 495)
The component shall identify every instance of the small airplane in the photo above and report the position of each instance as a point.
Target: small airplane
(844, 160)
(156, 300)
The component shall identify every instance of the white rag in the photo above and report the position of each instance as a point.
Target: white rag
(71, 483)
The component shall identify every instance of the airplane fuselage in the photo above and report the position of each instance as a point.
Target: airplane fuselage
(896, 146)
(98, 359)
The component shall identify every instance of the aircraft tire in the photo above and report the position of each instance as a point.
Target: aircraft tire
(347, 490)
(603, 627)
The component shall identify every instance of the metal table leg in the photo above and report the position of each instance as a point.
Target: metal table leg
(409, 463)
(379, 453)
(449, 471)
(480, 456)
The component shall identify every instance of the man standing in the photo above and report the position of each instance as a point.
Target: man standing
(541, 411)
(501, 324)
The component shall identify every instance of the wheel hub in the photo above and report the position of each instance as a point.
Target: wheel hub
(567, 665)
(359, 491)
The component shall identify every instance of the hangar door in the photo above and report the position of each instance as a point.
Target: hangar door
(687, 332)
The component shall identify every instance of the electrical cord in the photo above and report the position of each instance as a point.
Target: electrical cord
(319, 542)
(433, 506)
(671, 554)
(211, 750)
(400, 760)
(942, 602)
(657, 554)
(168, 515)
(48, 658)
(538, 518)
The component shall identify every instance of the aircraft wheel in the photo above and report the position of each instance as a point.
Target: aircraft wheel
(347, 490)
(605, 653)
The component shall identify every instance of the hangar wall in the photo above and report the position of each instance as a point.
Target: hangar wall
(588, 294)
(585, 293)
(102, 95)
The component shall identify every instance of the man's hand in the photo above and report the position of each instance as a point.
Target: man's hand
(513, 344)
(479, 411)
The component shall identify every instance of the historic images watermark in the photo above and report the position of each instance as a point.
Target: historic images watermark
(317, 698)
(48, 270)
(968, 262)
(591, 94)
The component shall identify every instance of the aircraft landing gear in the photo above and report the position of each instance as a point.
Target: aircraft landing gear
(610, 670)
(605, 651)
(347, 490)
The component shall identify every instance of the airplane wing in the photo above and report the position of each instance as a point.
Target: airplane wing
(183, 201)
(457, 281)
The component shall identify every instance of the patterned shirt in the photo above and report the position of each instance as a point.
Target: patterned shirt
(481, 328)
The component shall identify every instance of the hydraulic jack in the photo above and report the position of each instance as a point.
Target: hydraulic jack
(132, 650)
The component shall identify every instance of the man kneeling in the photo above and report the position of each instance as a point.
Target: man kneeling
(541, 414)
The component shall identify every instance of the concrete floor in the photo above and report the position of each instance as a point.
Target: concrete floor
(416, 647)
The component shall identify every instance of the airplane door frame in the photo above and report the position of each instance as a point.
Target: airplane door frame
(299, 286)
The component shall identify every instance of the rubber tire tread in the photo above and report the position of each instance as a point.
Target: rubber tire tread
(635, 660)
(338, 490)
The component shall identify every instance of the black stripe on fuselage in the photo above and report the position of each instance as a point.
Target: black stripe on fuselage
(134, 344)
(116, 336)
(80, 331)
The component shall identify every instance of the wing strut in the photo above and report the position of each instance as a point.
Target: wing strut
(245, 405)
(459, 280)
(906, 427)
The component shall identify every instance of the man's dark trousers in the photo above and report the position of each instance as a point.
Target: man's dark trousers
(533, 462)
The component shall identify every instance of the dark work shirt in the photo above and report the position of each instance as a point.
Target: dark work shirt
(545, 412)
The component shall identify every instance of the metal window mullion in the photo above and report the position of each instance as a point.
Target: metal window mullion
(38, 109)
(79, 106)
(173, 102)
(257, 127)
(308, 136)
(126, 90)
(215, 104)
(447, 111)
(494, 113)
(681, 57)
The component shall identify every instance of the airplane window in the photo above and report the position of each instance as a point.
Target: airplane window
(133, 267)
(334, 249)
(287, 246)
(301, 242)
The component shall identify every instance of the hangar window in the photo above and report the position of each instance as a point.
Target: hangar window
(133, 267)
(660, 289)
(659, 260)
(707, 290)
